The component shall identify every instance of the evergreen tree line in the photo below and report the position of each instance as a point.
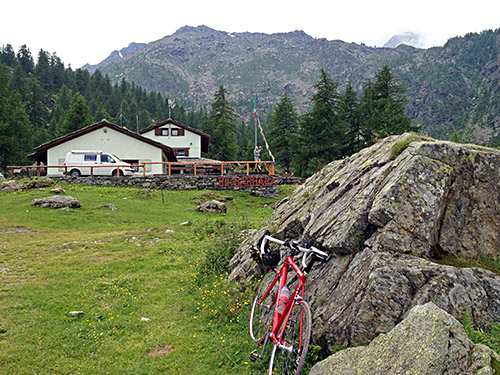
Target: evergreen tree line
(44, 100)
(338, 124)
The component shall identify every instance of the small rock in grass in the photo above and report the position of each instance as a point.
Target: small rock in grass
(58, 190)
(143, 319)
(76, 313)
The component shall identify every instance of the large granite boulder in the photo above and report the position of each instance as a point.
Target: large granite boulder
(392, 214)
(433, 199)
(428, 342)
(355, 298)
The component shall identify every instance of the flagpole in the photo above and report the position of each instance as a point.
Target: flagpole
(257, 124)
(255, 117)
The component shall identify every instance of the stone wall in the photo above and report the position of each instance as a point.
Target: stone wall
(258, 185)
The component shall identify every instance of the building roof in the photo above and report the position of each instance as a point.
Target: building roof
(205, 138)
(40, 152)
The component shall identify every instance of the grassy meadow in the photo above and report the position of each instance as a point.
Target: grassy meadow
(119, 267)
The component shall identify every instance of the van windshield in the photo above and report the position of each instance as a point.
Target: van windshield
(107, 159)
(117, 159)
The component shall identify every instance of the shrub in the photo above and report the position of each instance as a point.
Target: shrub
(490, 339)
(227, 238)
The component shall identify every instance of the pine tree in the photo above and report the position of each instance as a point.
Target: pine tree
(15, 128)
(221, 126)
(19, 83)
(43, 70)
(37, 111)
(321, 134)
(283, 132)
(25, 59)
(349, 115)
(57, 72)
(77, 117)
(383, 107)
(8, 56)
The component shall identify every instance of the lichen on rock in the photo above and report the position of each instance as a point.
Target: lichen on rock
(428, 342)
(388, 221)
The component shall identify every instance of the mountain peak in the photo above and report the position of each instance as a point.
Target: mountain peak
(116, 55)
(409, 38)
(194, 29)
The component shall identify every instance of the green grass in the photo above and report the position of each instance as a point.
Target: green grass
(119, 266)
(400, 146)
(490, 339)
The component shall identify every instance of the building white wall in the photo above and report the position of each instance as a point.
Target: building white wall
(107, 140)
(189, 140)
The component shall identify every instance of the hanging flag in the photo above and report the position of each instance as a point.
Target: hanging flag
(265, 141)
(257, 119)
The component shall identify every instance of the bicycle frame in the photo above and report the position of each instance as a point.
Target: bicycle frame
(279, 319)
(274, 326)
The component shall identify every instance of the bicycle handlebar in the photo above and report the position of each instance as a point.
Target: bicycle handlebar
(294, 247)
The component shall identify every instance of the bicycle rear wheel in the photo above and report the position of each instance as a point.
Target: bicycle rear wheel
(297, 335)
(263, 305)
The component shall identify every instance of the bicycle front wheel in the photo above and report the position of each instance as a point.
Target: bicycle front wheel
(261, 316)
(296, 337)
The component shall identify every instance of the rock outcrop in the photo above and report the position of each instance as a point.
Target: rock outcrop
(212, 206)
(428, 342)
(392, 215)
(57, 201)
(9, 186)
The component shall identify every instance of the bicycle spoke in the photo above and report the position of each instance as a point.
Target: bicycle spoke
(296, 336)
(261, 316)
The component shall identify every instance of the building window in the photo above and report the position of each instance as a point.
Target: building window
(181, 151)
(177, 132)
(160, 131)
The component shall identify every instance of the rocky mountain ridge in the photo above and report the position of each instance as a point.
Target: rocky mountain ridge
(115, 56)
(392, 216)
(455, 87)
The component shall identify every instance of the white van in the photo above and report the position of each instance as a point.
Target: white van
(78, 159)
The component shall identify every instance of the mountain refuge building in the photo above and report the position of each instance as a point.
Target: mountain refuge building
(159, 143)
(188, 143)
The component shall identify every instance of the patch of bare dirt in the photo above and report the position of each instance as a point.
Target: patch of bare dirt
(11, 230)
(162, 350)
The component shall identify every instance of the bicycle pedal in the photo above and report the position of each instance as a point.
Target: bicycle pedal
(254, 356)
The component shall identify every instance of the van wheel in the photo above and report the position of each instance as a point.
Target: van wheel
(74, 173)
(114, 173)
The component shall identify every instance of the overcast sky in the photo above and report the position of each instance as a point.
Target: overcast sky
(87, 31)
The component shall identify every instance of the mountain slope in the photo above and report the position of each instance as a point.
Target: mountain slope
(455, 87)
(115, 55)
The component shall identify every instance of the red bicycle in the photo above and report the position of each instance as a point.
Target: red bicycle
(277, 314)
